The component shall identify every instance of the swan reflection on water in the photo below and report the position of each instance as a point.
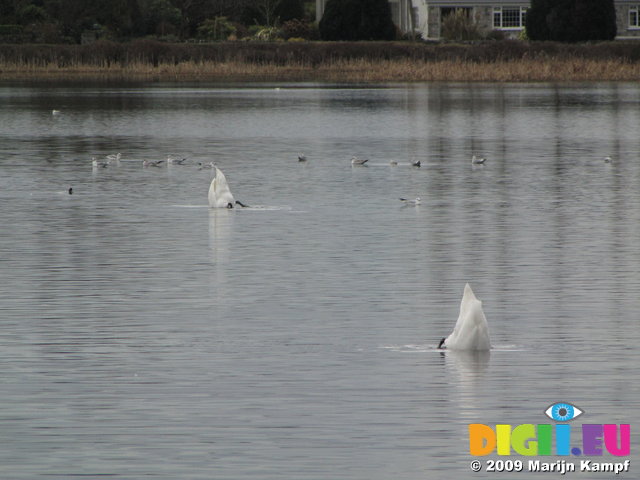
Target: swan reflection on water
(467, 371)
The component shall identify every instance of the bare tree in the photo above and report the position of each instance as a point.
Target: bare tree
(230, 8)
(266, 9)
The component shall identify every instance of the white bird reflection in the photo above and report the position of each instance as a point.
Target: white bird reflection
(220, 248)
(220, 225)
(467, 373)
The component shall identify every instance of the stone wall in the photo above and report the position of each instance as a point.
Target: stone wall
(622, 21)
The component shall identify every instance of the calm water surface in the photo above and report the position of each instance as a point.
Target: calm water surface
(143, 335)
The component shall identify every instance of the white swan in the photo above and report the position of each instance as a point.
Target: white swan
(219, 194)
(471, 331)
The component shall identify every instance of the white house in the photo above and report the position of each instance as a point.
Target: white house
(424, 17)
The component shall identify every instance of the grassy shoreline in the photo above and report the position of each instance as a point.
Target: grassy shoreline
(358, 62)
(352, 71)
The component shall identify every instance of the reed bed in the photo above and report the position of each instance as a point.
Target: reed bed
(360, 62)
(524, 70)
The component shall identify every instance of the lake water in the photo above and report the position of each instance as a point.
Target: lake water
(143, 335)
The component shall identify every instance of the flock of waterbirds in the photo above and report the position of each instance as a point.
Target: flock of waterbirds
(471, 331)
(114, 159)
(219, 193)
(225, 200)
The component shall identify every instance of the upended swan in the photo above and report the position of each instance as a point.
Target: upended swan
(219, 194)
(471, 331)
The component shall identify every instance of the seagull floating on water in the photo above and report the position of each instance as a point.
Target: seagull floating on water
(415, 163)
(152, 163)
(393, 163)
(407, 201)
(114, 158)
(55, 112)
(607, 159)
(358, 161)
(471, 331)
(98, 163)
(175, 161)
(302, 157)
(477, 161)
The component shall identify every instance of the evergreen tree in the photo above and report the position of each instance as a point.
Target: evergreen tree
(357, 20)
(571, 20)
(594, 20)
(536, 23)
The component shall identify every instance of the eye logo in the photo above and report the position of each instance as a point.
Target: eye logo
(563, 412)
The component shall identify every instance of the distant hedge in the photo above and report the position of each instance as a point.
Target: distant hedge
(103, 53)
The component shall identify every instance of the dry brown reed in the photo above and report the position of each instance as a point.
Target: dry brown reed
(506, 61)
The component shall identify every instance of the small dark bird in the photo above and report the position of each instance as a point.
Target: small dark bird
(70, 191)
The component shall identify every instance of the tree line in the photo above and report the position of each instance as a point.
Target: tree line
(64, 21)
(557, 20)
(571, 20)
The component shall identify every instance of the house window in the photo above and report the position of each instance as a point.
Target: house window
(509, 17)
(634, 21)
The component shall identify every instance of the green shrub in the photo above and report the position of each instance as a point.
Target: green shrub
(300, 29)
(496, 35)
(11, 29)
(265, 34)
(218, 28)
